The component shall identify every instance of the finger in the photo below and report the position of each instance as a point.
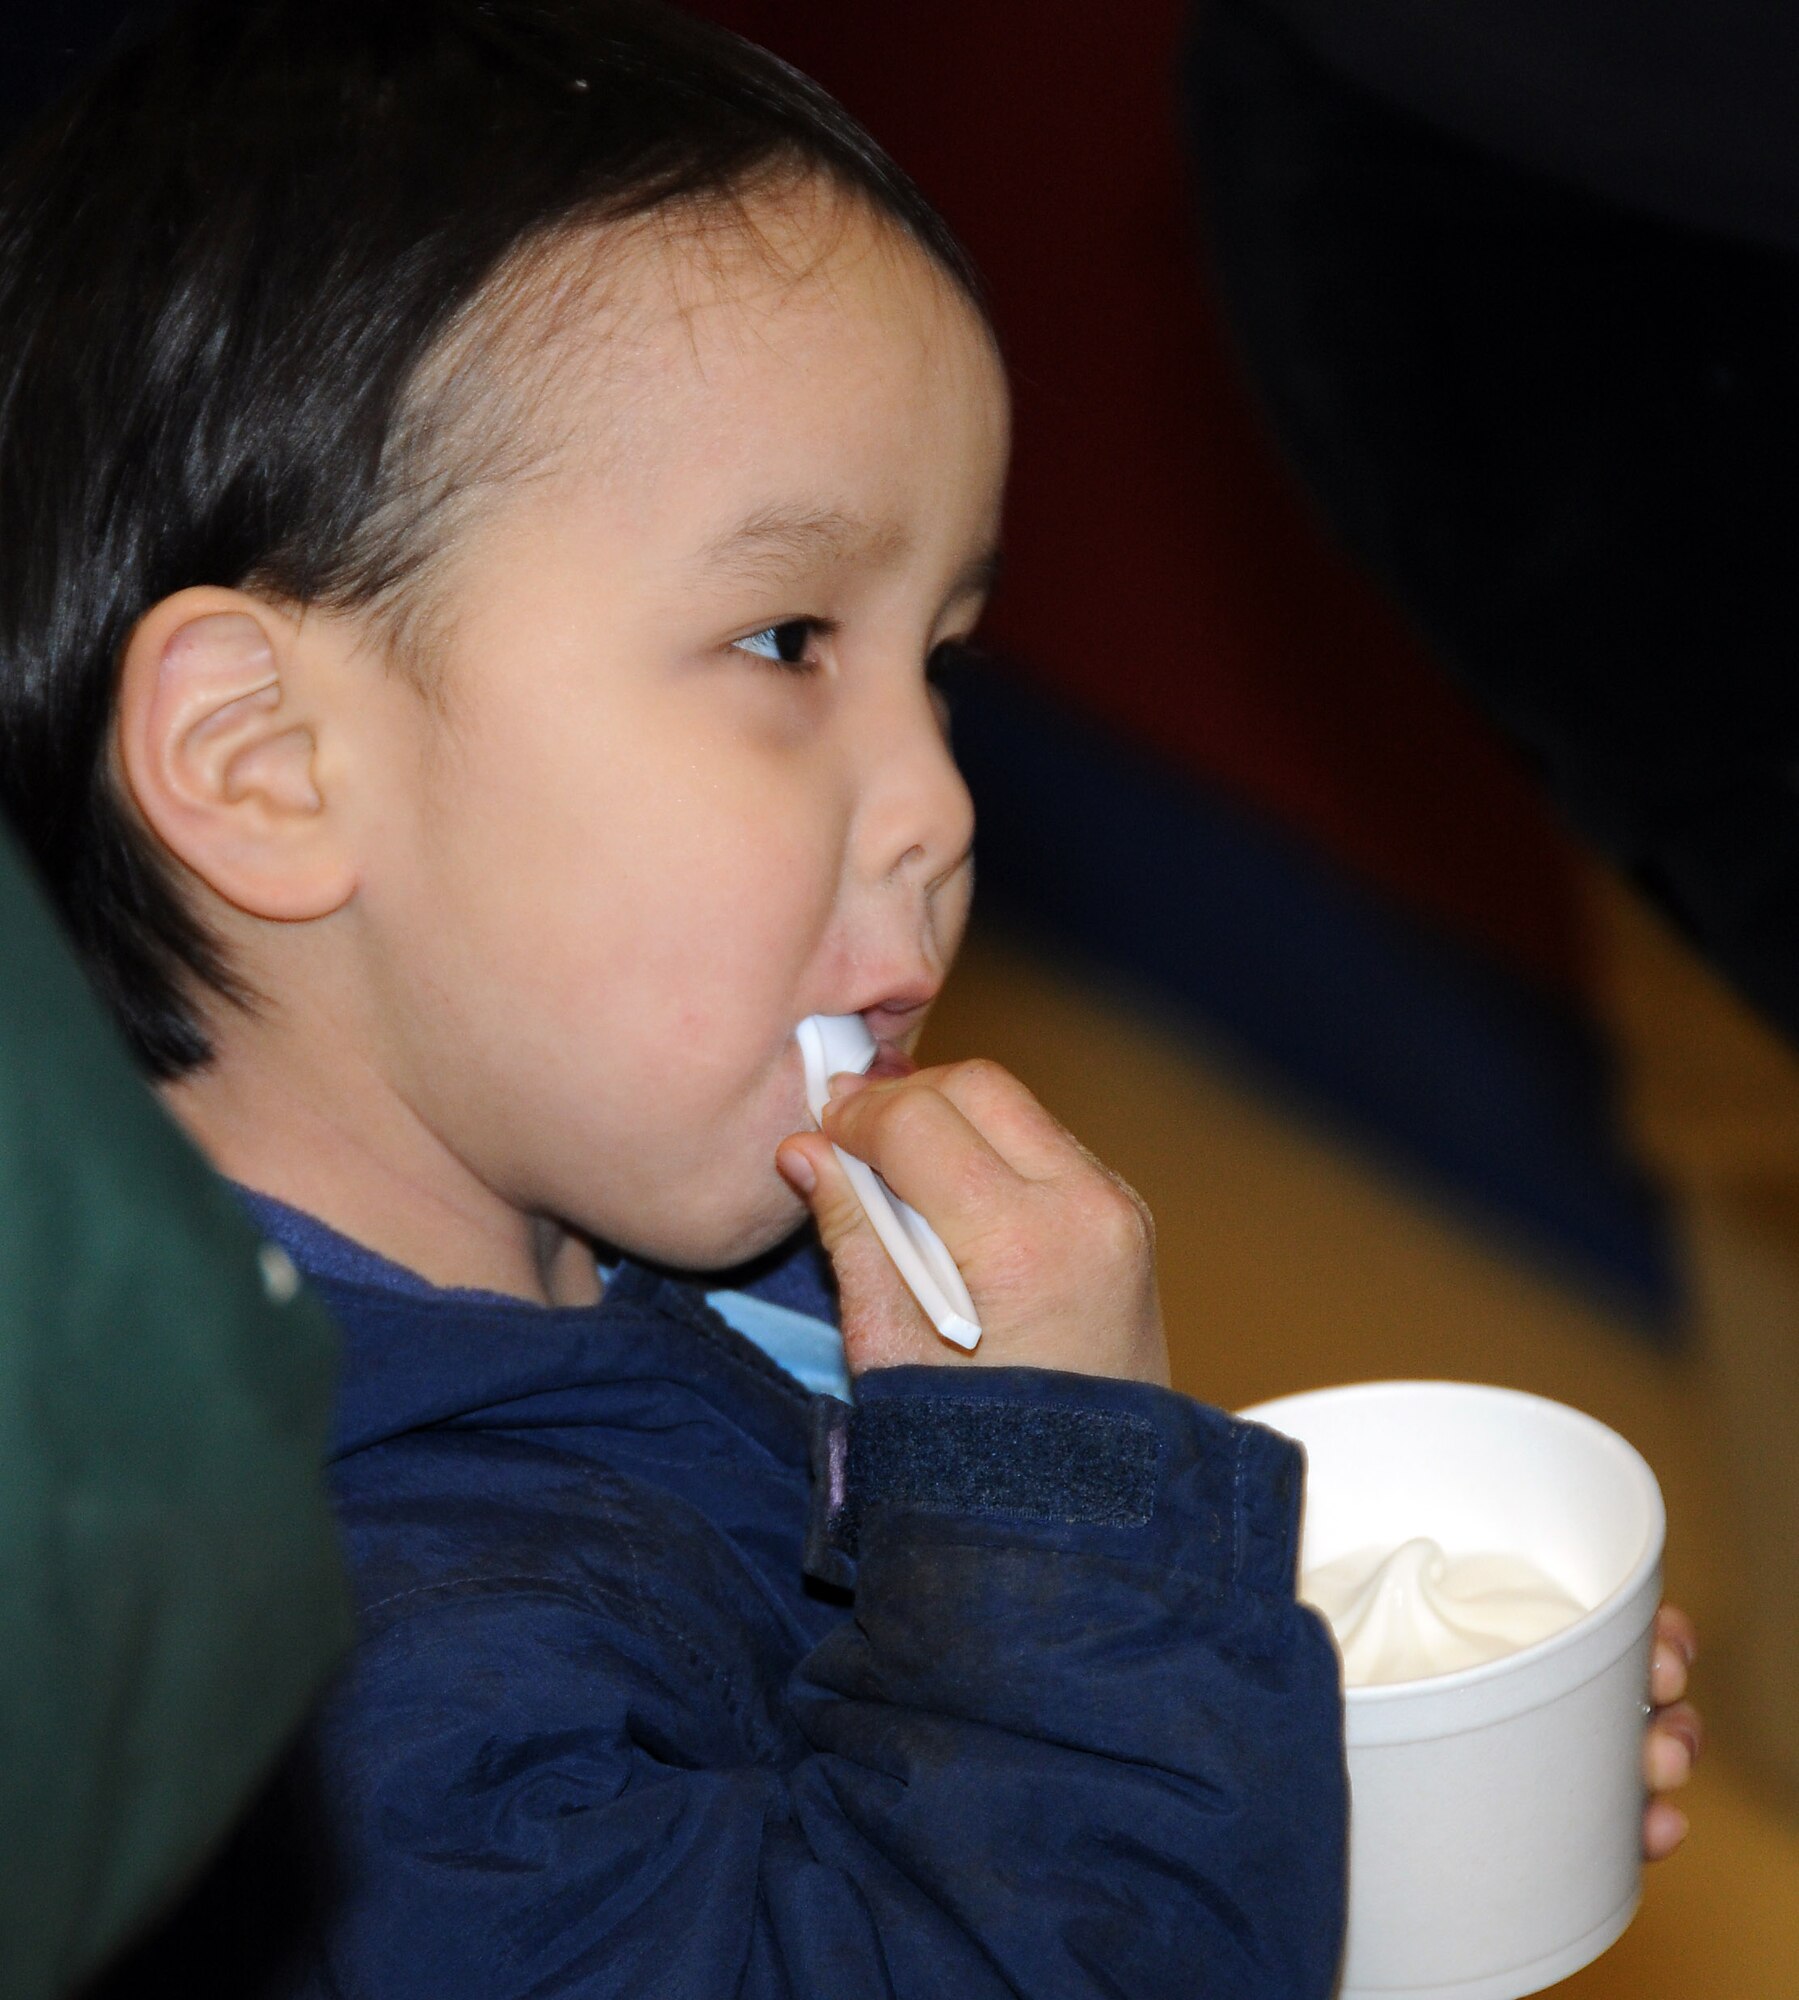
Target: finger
(1673, 1627)
(1664, 1828)
(929, 1154)
(1667, 1674)
(1671, 1746)
(1032, 1142)
(883, 1325)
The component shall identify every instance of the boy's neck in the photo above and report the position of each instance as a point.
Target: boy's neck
(337, 1142)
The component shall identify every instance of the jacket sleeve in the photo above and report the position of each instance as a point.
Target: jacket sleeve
(1075, 1738)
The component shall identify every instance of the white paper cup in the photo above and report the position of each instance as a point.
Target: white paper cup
(1496, 1813)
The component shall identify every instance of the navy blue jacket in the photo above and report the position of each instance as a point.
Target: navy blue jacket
(1044, 1720)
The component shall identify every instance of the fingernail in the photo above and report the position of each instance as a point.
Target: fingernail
(796, 1170)
(845, 1084)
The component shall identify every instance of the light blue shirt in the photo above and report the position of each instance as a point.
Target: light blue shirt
(811, 1350)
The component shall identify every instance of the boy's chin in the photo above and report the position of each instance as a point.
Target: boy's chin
(722, 1243)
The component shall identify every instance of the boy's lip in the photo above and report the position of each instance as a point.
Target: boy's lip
(896, 1017)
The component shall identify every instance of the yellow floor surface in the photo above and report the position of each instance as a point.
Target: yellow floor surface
(1289, 1262)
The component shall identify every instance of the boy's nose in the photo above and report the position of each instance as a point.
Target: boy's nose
(919, 817)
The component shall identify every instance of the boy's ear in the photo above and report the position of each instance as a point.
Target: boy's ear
(218, 740)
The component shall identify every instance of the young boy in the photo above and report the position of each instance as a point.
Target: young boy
(485, 487)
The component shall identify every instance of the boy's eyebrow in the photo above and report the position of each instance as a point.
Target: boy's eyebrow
(779, 538)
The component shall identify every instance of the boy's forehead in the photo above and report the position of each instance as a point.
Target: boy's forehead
(660, 308)
(792, 362)
(796, 244)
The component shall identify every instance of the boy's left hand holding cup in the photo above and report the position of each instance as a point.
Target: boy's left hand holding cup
(1675, 1735)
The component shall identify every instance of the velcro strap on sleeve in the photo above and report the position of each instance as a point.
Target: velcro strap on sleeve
(947, 1454)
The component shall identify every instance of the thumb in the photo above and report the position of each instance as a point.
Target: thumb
(883, 1324)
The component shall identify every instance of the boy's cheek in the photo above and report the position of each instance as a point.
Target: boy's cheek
(951, 909)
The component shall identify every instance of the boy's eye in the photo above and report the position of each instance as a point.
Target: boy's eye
(785, 643)
(950, 662)
(947, 671)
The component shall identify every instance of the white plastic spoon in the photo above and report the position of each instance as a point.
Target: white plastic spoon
(830, 1044)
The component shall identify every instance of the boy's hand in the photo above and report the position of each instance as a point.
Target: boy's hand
(1058, 1254)
(1675, 1736)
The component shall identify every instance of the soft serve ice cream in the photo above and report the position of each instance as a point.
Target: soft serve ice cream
(1404, 1614)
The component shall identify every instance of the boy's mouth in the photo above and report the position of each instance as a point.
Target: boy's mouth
(893, 1021)
(891, 1061)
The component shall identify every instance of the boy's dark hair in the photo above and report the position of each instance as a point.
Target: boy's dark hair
(222, 267)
